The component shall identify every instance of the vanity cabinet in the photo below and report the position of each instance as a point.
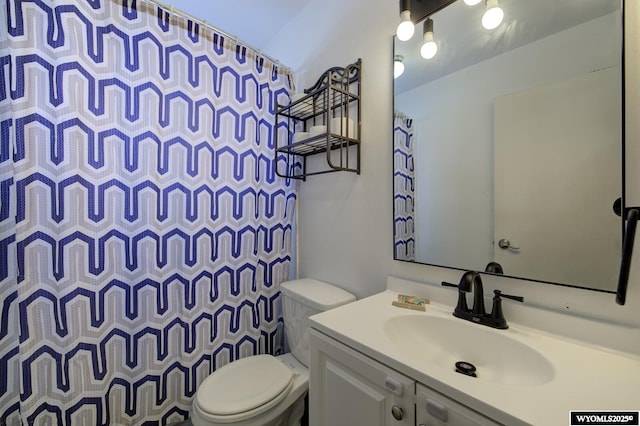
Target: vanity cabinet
(324, 120)
(347, 388)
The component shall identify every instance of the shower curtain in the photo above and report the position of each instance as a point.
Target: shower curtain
(143, 231)
(403, 188)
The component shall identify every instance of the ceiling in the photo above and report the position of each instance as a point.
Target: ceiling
(462, 41)
(255, 22)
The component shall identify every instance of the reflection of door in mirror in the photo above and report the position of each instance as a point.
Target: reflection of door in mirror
(548, 140)
(403, 188)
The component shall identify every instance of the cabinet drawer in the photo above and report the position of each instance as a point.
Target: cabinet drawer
(435, 409)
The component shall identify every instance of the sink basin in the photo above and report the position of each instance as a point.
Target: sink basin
(444, 341)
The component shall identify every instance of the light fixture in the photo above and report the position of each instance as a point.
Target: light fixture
(472, 2)
(429, 48)
(406, 28)
(398, 66)
(493, 15)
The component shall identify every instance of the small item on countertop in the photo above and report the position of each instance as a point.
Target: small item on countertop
(410, 302)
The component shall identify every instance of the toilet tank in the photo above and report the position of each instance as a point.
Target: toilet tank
(301, 299)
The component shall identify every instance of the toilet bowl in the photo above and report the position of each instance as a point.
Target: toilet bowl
(263, 390)
(260, 390)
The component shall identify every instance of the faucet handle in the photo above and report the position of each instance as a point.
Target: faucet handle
(461, 307)
(467, 279)
(499, 293)
(497, 316)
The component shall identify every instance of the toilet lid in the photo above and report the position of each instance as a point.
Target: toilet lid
(244, 385)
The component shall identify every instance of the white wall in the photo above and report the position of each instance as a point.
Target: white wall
(345, 220)
(345, 223)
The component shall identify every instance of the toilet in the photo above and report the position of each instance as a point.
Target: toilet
(263, 390)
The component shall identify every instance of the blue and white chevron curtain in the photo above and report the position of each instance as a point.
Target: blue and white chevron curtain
(143, 231)
(403, 188)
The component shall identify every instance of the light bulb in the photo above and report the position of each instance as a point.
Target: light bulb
(406, 28)
(472, 2)
(398, 67)
(493, 16)
(429, 48)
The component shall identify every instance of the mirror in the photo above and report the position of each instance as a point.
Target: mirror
(508, 143)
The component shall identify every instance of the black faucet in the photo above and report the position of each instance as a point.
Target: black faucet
(478, 313)
(494, 268)
(467, 279)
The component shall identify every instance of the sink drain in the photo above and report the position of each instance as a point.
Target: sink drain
(466, 368)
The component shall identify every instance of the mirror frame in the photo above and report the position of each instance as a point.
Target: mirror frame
(420, 10)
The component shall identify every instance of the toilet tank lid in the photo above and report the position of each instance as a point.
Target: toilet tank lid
(316, 294)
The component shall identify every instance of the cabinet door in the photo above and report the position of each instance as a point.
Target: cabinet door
(435, 409)
(347, 388)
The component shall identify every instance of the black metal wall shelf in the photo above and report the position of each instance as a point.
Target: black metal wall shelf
(332, 103)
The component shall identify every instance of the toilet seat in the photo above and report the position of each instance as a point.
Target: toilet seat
(244, 388)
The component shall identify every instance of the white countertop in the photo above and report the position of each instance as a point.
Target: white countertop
(586, 377)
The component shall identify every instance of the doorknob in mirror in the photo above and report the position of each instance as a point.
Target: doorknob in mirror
(506, 244)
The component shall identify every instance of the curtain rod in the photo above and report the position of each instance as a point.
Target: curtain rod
(173, 11)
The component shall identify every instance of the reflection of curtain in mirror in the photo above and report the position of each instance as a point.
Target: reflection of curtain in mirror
(403, 188)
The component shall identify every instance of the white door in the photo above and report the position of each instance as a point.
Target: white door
(563, 231)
